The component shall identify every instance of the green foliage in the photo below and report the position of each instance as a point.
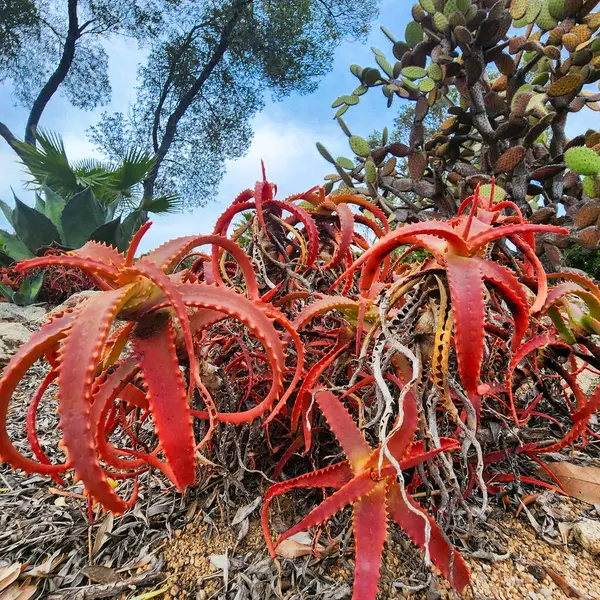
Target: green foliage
(196, 99)
(482, 102)
(583, 161)
(27, 293)
(117, 184)
(18, 22)
(584, 259)
(56, 222)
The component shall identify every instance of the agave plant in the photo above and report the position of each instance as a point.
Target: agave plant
(25, 293)
(55, 222)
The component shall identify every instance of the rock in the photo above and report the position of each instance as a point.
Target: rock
(538, 572)
(75, 300)
(30, 316)
(587, 534)
(12, 335)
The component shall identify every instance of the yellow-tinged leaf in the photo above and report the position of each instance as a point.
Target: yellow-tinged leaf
(153, 594)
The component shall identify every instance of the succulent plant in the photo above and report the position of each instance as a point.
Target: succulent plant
(512, 125)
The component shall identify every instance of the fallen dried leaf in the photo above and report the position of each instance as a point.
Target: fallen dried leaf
(221, 563)
(563, 584)
(105, 528)
(153, 594)
(18, 592)
(246, 511)
(565, 530)
(9, 574)
(100, 574)
(297, 545)
(580, 482)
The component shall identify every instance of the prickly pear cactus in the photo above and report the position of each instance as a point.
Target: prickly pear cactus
(520, 68)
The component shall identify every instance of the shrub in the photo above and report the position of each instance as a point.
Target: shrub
(511, 72)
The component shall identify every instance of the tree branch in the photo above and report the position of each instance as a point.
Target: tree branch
(11, 139)
(167, 85)
(62, 70)
(187, 98)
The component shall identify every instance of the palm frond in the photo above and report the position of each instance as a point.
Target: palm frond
(48, 163)
(134, 168)
(166, 204)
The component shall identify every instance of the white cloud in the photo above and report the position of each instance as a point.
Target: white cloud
(291, 161)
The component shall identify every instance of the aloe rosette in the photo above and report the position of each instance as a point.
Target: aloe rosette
(157, 309)
(375, 494)
(459, 247)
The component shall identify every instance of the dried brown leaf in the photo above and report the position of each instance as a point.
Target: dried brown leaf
(580, 482)
(9, 574)
(105, 528)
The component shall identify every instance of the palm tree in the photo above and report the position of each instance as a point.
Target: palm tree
(118, 185)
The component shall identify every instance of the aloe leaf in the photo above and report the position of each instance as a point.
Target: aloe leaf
(130, 224)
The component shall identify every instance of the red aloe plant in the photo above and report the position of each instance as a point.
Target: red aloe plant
(458, 246)
(315, 306)
(371, 486)
(80, 348)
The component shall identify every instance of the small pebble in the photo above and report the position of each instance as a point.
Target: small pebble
(538, 572)
(533, 595)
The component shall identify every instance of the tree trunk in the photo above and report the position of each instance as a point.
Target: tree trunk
(62, 70)
(11, 139)
(187, 99)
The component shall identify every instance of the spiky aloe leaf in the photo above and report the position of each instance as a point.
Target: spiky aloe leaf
(369, 525)
(443, 555)
(79, 355)
(468, 308)
(154, 348)
(40, 342)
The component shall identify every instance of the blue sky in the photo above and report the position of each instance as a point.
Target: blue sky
(285, 132)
